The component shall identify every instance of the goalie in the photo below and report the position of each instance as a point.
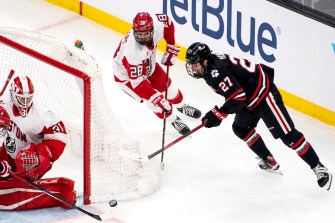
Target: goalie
(32, 138)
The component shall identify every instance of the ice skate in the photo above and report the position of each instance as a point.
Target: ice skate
(181, 127)
(323, 175)
(269, 164)
(190, 111)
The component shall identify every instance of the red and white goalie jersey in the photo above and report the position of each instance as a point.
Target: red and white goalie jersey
(40, 126)
(134, 63)
(32, 138)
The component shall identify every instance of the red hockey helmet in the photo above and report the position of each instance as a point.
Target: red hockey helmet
(22, 92)
(143, 26)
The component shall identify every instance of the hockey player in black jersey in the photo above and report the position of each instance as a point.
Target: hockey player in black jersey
(251, 95)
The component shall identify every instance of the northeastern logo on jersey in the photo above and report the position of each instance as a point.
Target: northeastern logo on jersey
(214, 73)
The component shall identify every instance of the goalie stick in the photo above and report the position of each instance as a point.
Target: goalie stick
(142, 158)
(10, 75)
(95, 216)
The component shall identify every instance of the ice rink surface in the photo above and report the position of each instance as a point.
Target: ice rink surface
(212, 177)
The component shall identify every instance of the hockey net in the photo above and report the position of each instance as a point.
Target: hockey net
(68, 81)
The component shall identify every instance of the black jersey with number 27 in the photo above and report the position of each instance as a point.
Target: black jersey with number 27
(243, 84)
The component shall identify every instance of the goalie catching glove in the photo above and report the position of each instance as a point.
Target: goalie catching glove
(214, 117)
(170, 55)
(34, 162)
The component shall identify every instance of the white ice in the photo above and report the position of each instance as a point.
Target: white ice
(211, 177)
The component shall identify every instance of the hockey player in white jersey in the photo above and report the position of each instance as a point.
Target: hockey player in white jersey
(139, 75)
(32, 138)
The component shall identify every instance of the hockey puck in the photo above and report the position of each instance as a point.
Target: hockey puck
(112, 203)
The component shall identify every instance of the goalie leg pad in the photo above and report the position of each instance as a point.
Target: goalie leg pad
(17, 195)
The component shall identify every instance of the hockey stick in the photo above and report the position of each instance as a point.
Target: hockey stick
(10, 75)
(95, 216)
(142, 158)
(164, 121)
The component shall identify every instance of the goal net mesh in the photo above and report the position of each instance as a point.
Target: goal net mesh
(60, 75)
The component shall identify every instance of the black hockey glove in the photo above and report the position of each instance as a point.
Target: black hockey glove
(214, 117)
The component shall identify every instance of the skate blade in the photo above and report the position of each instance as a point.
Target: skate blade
(279, 172)
(329, 183)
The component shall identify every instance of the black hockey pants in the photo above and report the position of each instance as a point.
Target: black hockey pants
(272, 111)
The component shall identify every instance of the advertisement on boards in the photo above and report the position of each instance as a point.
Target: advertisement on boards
(300, 49)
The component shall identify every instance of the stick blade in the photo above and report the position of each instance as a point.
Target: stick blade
(106, 216)
(95, 216)
(133, 156)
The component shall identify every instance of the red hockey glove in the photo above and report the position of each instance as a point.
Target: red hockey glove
(33, 164)
(4, 168)
(4, 120)
(214, 117)
(170, 55)
(160, 101)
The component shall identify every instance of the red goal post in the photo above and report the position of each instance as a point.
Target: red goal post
(68, 81)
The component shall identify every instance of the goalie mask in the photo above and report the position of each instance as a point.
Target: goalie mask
(21, 92)
(143, 27)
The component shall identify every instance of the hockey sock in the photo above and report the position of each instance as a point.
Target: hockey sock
(297, 142)
(257, 145)
(253, 140)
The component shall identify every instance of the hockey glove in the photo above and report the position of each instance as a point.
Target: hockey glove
(34, 162)
(170, 55)
(4, 120)
(160, 101)
(214, 117)
(4, 168)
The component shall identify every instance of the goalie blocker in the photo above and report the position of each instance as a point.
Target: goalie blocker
(17, 195)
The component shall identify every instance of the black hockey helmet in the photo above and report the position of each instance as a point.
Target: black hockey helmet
(196, 53)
